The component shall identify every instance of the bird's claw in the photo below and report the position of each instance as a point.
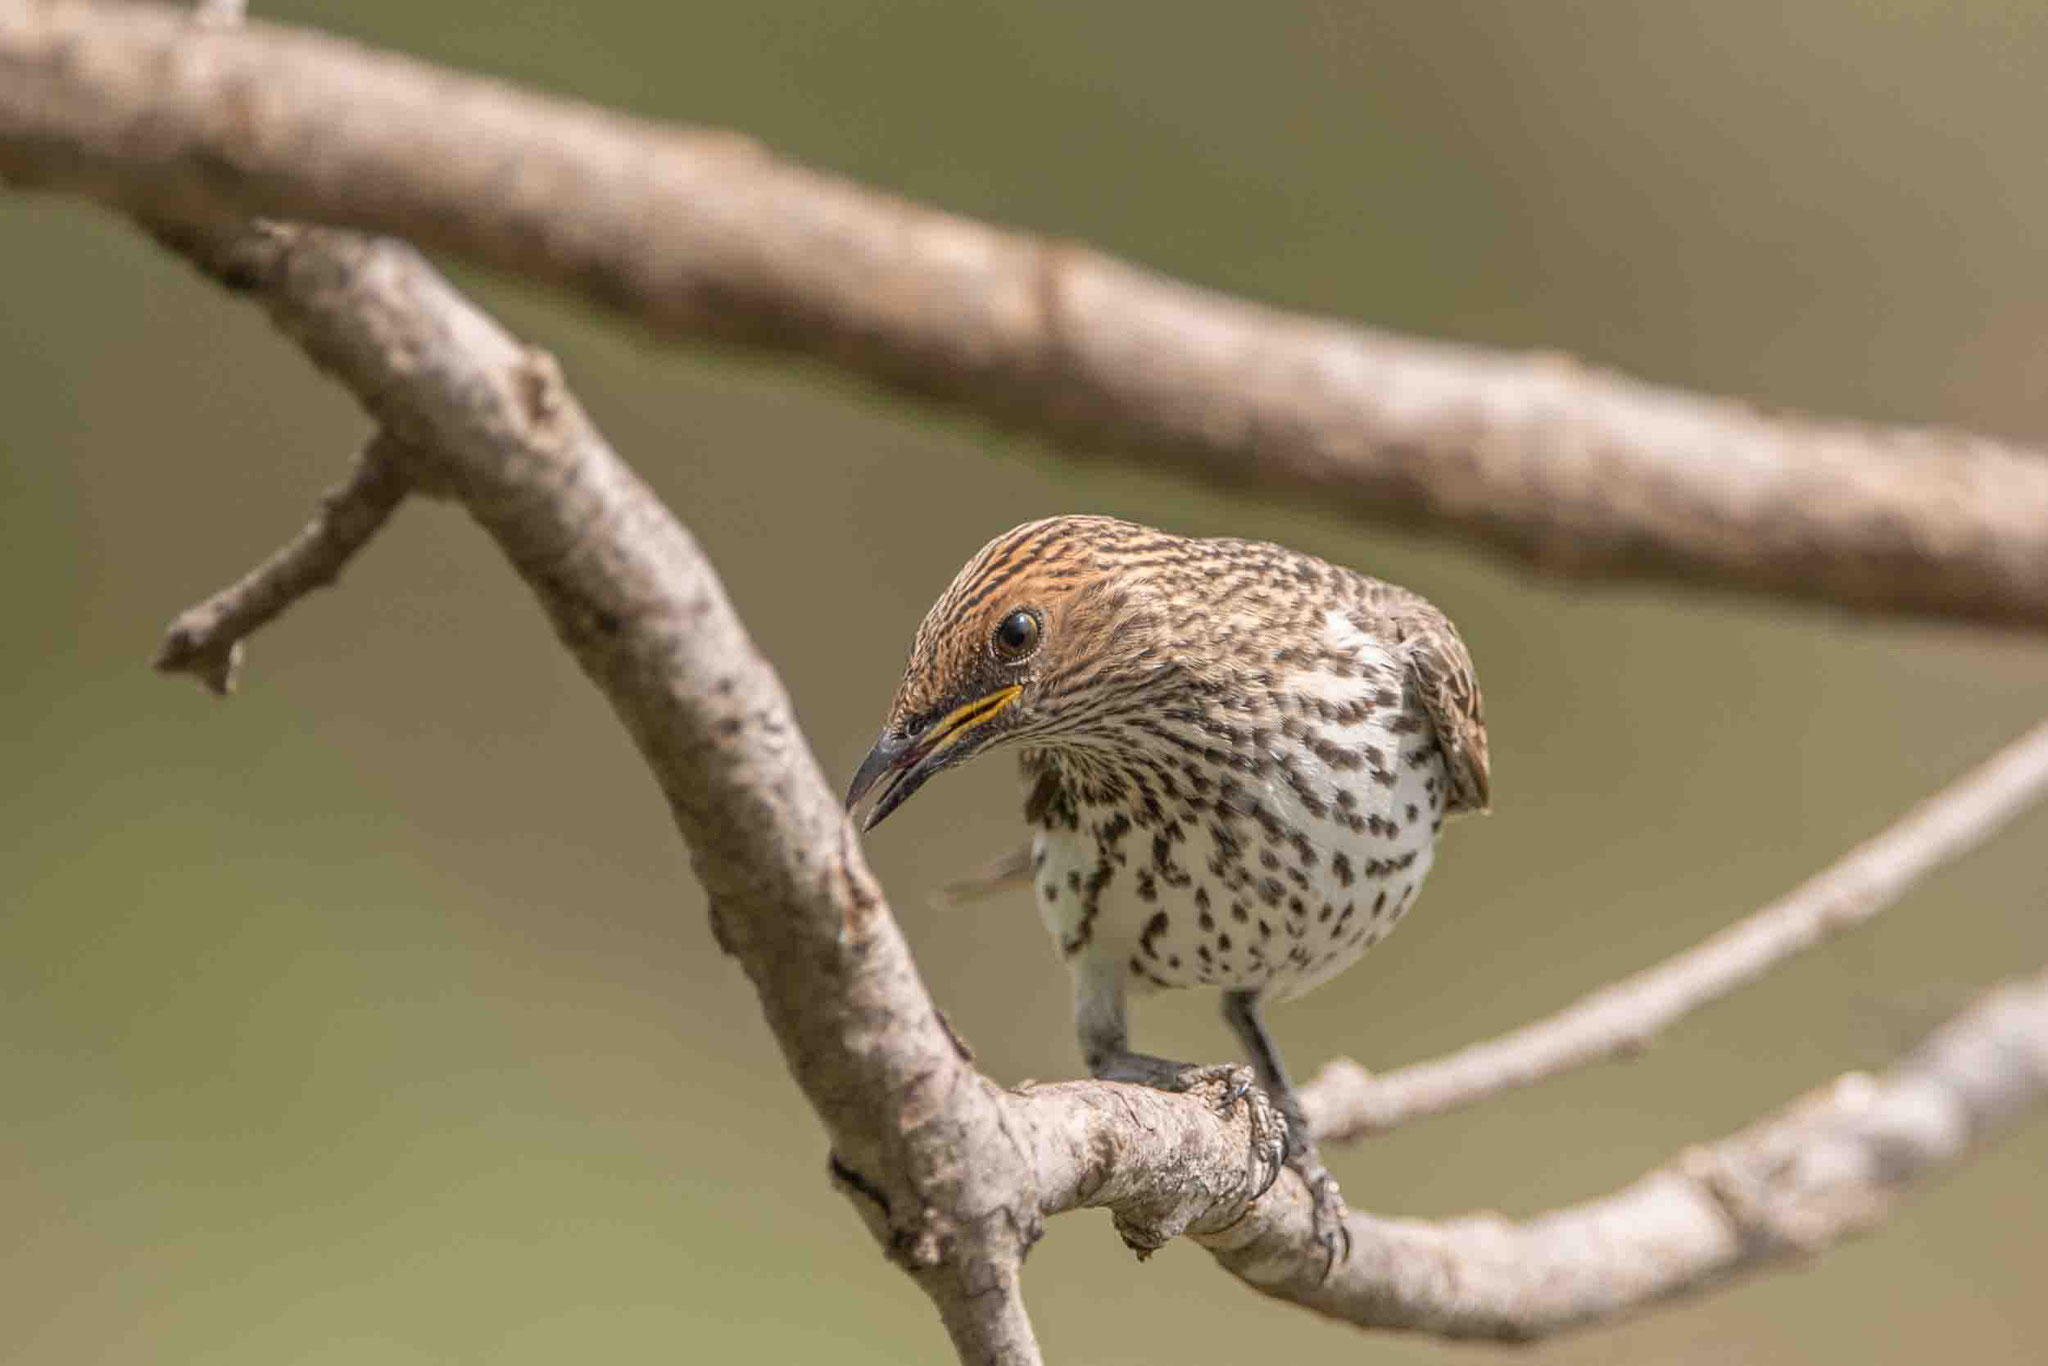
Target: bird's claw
(1235, 1083)
(1234, 1080)
(1280, 1139)
(1328, 1208)
(1330, 1215)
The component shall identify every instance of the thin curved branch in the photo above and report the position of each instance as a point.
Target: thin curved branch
(1345, 1101)
(1826, 1167)
(206, 639)
(705, 236)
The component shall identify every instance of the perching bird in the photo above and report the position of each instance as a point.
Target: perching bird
(1239, 758)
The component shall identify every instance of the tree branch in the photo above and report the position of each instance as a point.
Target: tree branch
(206, 640)
(1826, 1167)
(954, 1175)
(703, 235)
(1620, 1019)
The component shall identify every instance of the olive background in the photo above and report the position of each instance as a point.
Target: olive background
(372, 1016)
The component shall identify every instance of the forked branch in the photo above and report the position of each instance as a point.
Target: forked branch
(1826, 1167)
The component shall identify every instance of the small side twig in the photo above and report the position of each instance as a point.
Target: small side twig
(1345, 1101)
(206, 640)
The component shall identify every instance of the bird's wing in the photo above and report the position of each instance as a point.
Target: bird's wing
(1443, 676)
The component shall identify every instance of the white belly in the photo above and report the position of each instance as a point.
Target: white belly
(1171, 905)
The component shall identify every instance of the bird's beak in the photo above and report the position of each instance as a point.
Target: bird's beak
(910, 763)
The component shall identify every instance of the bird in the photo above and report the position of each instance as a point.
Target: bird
(1237, 760)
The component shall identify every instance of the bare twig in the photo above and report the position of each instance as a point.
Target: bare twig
(1345, 1101)
(1824, 1168)
(206, 640)
(705, 236)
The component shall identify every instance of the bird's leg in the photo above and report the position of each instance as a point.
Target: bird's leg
(1241, 1009)
(1105, 1046)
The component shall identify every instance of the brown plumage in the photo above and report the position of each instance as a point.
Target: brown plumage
(1238, 759)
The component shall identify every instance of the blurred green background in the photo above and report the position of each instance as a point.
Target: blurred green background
(373, 1016)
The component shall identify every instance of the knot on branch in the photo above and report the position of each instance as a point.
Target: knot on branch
(542, 392)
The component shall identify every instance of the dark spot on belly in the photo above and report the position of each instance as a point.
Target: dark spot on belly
(1154, 927)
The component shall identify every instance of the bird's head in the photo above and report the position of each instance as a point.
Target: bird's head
(1044, 634)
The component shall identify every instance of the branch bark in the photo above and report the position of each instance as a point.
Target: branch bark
(704, 235)
(1621, 1019)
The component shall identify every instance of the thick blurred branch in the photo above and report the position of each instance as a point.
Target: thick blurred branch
(704, 235)
(206, 640)
(1345, 1101)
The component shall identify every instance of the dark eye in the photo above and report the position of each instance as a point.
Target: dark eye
(916, 726)
(1017, 636)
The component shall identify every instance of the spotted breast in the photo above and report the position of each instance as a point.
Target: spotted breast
(1267, 857)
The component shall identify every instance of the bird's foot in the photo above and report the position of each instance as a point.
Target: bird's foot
(1232, 1083)
(1329, 1211)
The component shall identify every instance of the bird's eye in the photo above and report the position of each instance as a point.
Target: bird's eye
(916, 726)
(1017, 636)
